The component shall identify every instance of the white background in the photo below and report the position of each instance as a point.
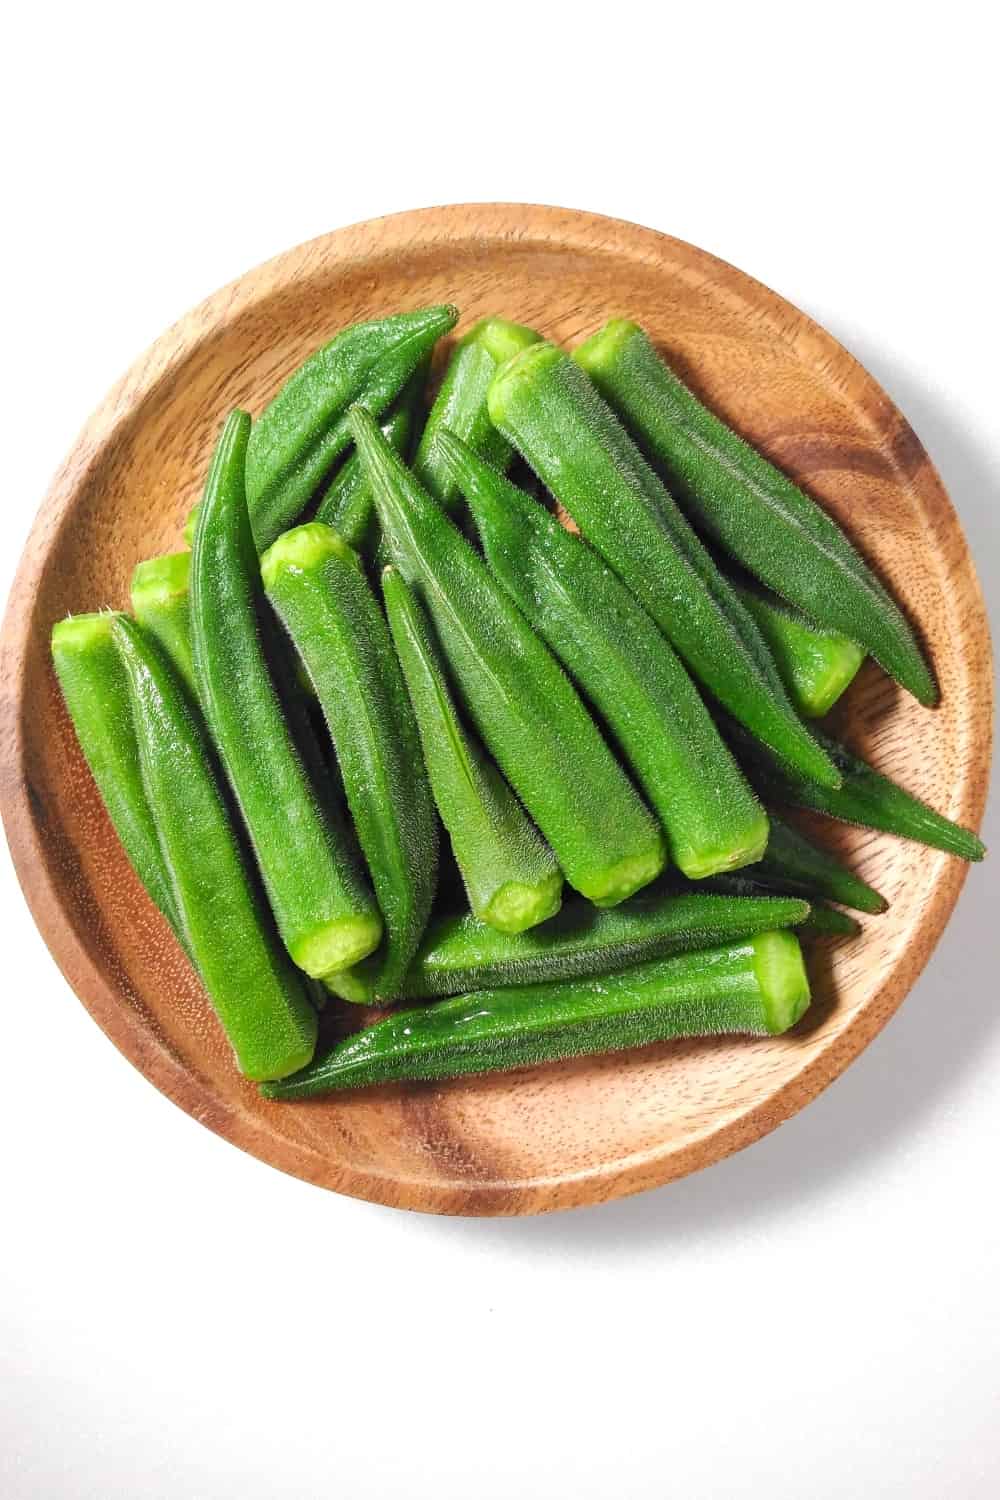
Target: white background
(817, 1317)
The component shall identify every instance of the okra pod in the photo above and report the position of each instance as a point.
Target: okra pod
(816, 665)
(461, 405)
(161, 602)
(544, 403)
(754, 510)
(460, 954)
(758, 988)
(318, 589)
(509, 872)
(258, 996)
(866, 797)
(614, 651)
(827, 921)
(94, 686)
(325, 912)
(304, 430)
(521, 701)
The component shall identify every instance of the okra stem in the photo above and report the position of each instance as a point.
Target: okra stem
(162, 605)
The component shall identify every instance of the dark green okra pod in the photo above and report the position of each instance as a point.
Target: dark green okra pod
(545, 404)
(509, 872)
(304, 430)
(326, 914)
(795, 865)
(257, 994)
(318, 589)
(94, 686)
(757, 988)
(460, 954)
(762, 519)
(865, 797)
(612, 648)
(521, 701)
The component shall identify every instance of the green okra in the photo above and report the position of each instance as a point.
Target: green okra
(461, 406)
(258, 996)
(95, 689)
(318, 589)
(795, 865)
(816, 665)
(509, 872)
(348, 505)
(460, 953)
(752, 509)
(757, 987)
(161, 602)
(325, 912)
(304, 430)
(545, 404)
(524, 706)
(866, 797)
(190, 525)
(615, 652)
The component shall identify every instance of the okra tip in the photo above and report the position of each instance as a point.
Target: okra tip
(161, 579)
(78, 632)
(602, 348)
(514, 372)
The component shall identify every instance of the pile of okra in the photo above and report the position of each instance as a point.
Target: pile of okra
(359, 739)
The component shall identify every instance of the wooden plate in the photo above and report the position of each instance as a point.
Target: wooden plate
(560, 1135)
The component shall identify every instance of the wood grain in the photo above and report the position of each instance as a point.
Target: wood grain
(561, 1135)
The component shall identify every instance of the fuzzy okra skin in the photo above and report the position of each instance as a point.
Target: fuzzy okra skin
(461, 406)
(754, 510)
(509, 872)
(816, 665)
(324, 909)
(757, 987)
(348, 505)
(303, 431)
(613, 649)
(161, 602)
(94, 686)
(259, 998)
(318, 589)
(545, 404)
(865, 797)
(523, 704)
(460, 954)
(794, 864)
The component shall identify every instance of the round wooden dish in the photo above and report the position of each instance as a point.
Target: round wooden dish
(561, 1135)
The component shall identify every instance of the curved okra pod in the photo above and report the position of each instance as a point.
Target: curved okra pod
(758, 988)
(304, 430)
(318, 589)
(509, 872)
(461, 406)
(612, 648)
(757, 513)
(95, 689)
(259, 998)
(865, 797)
(545, 404)
(325, 912)
(461, 954)
(521, 701)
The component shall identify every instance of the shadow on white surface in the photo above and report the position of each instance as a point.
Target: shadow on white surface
(915, 1066)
